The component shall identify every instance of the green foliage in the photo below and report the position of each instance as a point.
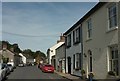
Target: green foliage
(15, 46)
(29, 52)
(5, 60)
(34, 54)
(82, 71)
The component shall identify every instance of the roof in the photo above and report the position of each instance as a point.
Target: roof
(56, 46)
(61, 46)
(93, 10)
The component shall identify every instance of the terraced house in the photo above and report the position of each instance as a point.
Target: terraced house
(100, 40)
(73, 55)
(95, 49)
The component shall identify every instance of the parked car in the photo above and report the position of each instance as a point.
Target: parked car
(47, 68)
(13, 65)
(10, 67)
(21, 65)
(7, 68)
(2, 71)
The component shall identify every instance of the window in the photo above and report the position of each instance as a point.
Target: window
(114, 59)
(76, 36)
(78, 61)
(112, 16)
(89, 31)
(69, 40)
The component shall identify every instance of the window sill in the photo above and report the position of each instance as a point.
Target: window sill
(112, 29)
(76, 42)
(88, 39)
(68, 46)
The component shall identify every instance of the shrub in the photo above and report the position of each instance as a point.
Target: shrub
(82, 71)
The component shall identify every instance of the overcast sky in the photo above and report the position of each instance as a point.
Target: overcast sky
(38, 25)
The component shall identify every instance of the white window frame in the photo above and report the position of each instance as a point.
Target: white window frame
(108, 8)
(113, 57)
(78, 61)
(89, 28)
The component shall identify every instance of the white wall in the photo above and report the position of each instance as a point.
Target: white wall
(52, 51)
(23, 58)
(74, 49)
(101, 39)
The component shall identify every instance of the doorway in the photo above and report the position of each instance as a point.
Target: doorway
(69, 65)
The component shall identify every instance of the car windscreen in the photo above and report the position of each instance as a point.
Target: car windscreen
(48, 65)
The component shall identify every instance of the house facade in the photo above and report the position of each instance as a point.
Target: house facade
(100, 40)
(51, 52)
(23, 58)
(8, 55)
(60, 58)
(97, 50)
(73, 51)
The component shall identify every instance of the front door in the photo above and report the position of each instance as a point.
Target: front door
(69, 65)
(90, 61)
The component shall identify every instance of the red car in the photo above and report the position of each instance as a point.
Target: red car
(48, 68)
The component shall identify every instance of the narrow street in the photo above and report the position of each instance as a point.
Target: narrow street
(32, 72)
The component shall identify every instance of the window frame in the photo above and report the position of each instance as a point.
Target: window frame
(69, 41)
(110, 7)
(76, 36)
(113, 58)
(89, 28)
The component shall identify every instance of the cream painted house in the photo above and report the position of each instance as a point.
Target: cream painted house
(100, 40)
(98, 50)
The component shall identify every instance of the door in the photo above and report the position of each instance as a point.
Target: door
(90, 63)
(69, 65)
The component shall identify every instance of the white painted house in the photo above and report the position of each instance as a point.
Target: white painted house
(52, 51)
(74, 49)
(24, 59)
(100, 40)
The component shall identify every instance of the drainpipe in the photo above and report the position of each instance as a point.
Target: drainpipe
(81, 46)
(119, 35)
(65, 52)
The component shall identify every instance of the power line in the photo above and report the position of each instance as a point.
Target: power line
(23, 35)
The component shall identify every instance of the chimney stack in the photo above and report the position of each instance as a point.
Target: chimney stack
(62, 38)
(4, 46)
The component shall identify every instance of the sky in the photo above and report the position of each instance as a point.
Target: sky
(0, 20)
(38, 25)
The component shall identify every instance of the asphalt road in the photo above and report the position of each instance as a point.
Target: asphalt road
(32, 72)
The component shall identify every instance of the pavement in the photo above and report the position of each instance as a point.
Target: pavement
(69, 76)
